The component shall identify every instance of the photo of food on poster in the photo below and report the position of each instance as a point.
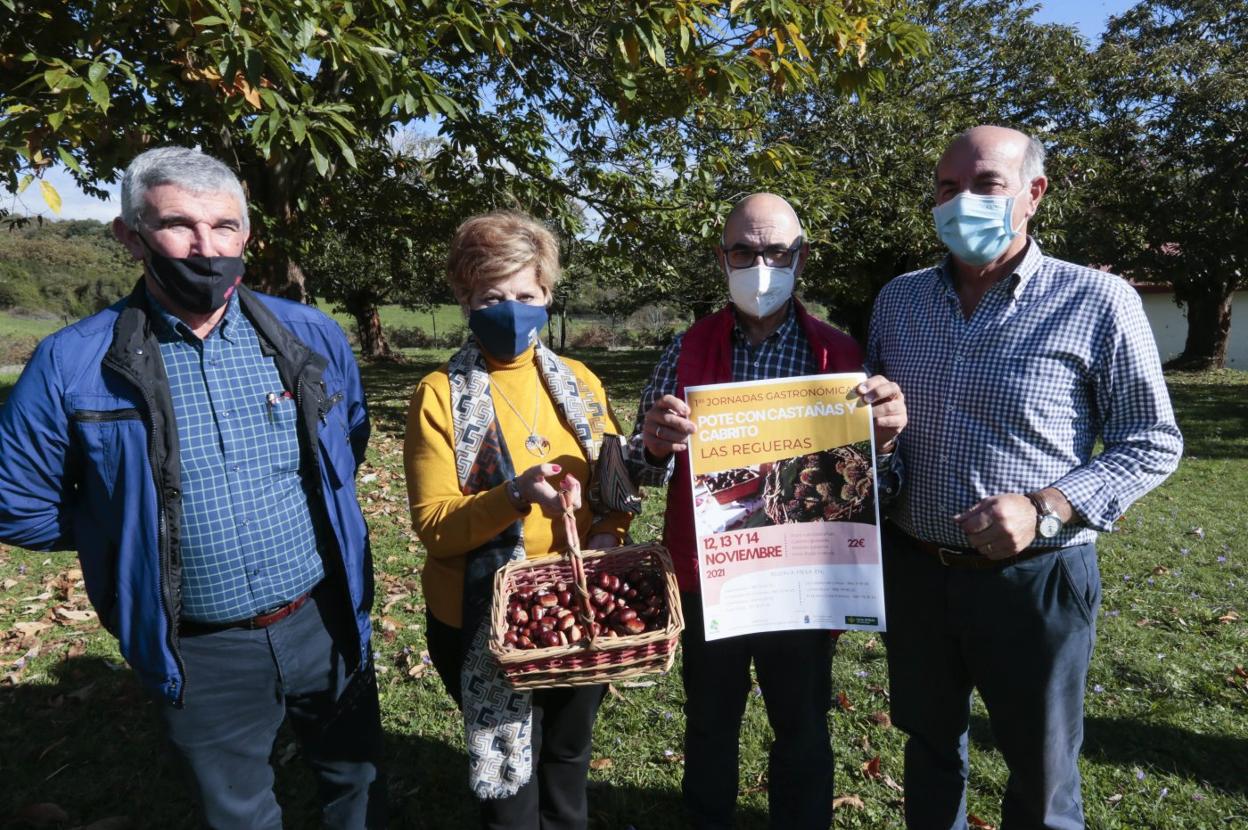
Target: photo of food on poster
(784, 502)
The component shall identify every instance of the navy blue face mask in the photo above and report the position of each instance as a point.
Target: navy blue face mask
(506, 329)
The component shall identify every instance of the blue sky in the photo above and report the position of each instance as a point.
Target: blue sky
(1088, 16)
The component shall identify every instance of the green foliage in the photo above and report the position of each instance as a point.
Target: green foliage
(1171, 78)
(528, 97)
(69, 269)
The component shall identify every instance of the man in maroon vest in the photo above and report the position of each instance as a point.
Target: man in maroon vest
(764, 333)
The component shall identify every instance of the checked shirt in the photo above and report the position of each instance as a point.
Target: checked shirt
(1012, 400)
(783, 354)
(247, 537)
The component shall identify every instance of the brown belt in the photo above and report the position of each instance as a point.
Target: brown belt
(189, 628)
(969, 559)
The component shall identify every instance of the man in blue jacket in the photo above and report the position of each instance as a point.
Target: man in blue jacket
(196, 444)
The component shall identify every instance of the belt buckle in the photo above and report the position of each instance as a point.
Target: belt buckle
(941, 553)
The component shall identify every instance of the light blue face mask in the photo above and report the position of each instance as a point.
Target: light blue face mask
(976, 229)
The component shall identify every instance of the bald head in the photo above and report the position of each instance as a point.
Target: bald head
(761, 213)
(999, 147)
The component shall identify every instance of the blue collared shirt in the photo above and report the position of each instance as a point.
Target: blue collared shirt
(248, 542)
(1013, 400)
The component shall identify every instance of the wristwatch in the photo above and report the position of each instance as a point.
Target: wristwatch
(1048, 523)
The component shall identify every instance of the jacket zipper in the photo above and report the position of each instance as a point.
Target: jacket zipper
(162, 534)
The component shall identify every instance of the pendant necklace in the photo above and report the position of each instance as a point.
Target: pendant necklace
(537, 445)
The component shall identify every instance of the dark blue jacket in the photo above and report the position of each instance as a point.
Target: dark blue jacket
(89, 461)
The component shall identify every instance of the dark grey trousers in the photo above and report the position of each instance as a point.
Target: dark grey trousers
(242, 684)
(1022, 636)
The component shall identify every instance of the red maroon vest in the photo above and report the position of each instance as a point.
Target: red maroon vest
(706, 357)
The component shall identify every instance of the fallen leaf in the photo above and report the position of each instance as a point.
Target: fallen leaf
(1114, 799)
(614, 692)
(1241, 671)
(975, 821)
(31, 628)
(70, 616)
(6, 584)
(848, 801)
(871, 769)
(842, 700)
(76, 649)
(881, 719)
(1143, 622)
(601, 764)
(1228, 617)
(38, 597)
(891, 784)
(1160, 570)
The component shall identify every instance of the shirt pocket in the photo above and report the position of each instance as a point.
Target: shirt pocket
(283, 446)
(1042, 390)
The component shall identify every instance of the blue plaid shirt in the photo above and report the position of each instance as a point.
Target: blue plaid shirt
(1013, 399)
(247, 537)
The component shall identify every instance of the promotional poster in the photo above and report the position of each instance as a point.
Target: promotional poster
(784, 500)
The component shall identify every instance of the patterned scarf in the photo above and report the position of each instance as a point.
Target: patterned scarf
(497, 718)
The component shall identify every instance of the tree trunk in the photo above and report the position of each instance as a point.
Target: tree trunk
(373, 343)
(1208, 329)
(273, 185)
(563, 327)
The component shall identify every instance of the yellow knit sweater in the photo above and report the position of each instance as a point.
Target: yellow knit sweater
(451, 524)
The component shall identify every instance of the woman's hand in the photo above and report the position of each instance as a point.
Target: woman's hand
(535, 487)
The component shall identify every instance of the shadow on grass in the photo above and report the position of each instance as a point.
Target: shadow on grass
(88, 741)
(1213, 417)
(6, 386)
(1221, 761)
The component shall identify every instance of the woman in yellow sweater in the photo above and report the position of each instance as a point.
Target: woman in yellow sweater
(492, 437)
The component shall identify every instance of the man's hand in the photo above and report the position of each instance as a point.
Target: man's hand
(667, 427)
(536, 489)
(888, 409)
(1000, 526)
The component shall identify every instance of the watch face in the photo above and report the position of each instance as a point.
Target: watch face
(1049, 526)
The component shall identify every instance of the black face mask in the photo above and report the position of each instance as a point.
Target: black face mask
(198, 284)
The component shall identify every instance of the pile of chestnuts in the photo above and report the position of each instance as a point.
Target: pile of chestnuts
(622, 605)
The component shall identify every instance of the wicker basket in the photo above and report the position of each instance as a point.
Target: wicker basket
(601, 659)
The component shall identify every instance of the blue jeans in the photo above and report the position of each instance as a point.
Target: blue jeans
(241, 684)
(795, 676)
(1023, 637)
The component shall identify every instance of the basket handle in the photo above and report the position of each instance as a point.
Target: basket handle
(581, 587)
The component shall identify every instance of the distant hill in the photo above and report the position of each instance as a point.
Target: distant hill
(67, 269)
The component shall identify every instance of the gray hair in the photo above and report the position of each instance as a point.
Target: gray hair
(1033, 161)
(182, 167)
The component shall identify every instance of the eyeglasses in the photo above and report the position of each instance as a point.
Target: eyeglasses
(774, 256)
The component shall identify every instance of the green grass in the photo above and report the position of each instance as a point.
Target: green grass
(1167, 714)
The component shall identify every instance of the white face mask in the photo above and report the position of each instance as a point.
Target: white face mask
(760, 290)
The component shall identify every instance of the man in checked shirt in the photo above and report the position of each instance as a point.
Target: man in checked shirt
(764, 333)
(196, 444)
(1014, 364)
